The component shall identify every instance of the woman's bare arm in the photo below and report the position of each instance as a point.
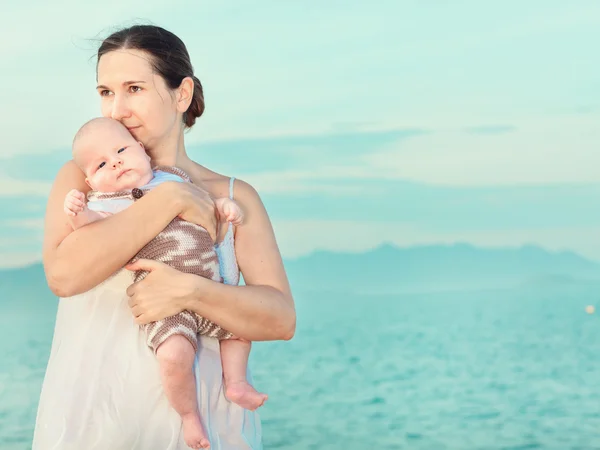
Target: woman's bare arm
(262, 310)
(77, 260)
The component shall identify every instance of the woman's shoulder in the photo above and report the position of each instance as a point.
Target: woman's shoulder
(71, 174)
(70, 169)
(218, 185)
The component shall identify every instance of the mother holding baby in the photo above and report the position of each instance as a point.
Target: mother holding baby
(102, 388)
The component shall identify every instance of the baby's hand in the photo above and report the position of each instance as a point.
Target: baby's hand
(74, 202)
(230, 210)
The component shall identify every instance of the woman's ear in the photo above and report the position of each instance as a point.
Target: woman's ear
(185, 94)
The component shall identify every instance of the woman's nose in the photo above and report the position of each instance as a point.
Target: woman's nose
(120, 110)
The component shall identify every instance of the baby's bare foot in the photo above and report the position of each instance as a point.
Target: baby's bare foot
(243, 394)
(193, 433)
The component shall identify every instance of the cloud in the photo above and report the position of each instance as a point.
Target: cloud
(10, 187)
(18, 259)
(431, 72)
(491, 129)
(28, 224)
(254, 84)
(21, 248)
(264, 154)
(446, 124)
(541, 152)
(315, 182)
(550, 151)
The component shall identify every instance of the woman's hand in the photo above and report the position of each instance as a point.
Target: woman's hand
(162, 293)
(196, 205)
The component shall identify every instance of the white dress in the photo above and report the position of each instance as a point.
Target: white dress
(102, 388)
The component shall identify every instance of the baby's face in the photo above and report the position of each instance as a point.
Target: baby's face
(113, 160)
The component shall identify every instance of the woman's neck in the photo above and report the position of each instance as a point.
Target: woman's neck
(170, 151)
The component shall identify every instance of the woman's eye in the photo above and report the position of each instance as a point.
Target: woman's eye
(135, 89)
(101, 165)
(104, 93)
(121, 150)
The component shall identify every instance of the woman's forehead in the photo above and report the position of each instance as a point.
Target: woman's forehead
(119, 66)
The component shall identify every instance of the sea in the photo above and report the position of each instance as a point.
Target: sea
(511, 368)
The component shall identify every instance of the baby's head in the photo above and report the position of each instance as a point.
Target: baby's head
(110, 157)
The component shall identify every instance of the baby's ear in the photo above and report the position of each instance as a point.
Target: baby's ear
(144, 148)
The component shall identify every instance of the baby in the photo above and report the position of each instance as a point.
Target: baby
(119, 172)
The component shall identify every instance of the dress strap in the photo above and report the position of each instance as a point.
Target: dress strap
(231, 180)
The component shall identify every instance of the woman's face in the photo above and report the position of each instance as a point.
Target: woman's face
(137, 97)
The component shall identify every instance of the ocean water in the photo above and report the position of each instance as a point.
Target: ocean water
(513, 369)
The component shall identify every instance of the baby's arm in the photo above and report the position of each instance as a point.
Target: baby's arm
(78, 212)
(229, 211)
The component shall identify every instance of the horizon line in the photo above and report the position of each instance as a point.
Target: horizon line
(38, 261)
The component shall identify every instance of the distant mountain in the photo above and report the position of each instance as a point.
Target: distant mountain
(393, 269)
(437, 267)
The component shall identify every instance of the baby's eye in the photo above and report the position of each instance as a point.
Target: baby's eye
(101, 165)
(135, 89)
(121, 150)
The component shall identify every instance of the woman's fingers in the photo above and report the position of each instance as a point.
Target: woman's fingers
(131, 301)
(142, 319)
(131, 291)
(199, 208)
(136, 311)
(148, 265)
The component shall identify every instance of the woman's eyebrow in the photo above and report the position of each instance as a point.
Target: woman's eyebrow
(125, 83)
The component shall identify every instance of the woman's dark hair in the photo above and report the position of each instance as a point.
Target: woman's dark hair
(169, 59)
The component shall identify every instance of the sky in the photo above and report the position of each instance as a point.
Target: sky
(358, 122)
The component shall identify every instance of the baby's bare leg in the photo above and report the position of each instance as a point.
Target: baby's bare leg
(176, 359)
(234, 357)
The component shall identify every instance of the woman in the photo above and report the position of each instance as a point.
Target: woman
(102, 388)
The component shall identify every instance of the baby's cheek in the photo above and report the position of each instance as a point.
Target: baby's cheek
(103, 184)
